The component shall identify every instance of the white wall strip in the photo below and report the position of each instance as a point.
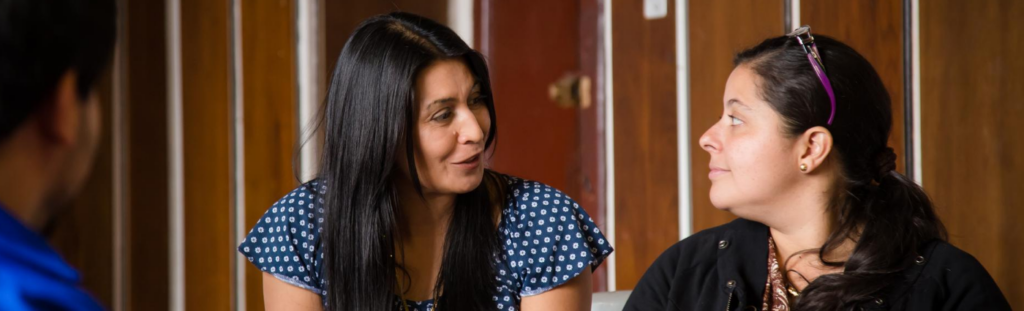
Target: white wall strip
(915, 54)
(683, 118)
(609, 134)
(460, 19)
(794, 15)
(117, 133)
(308, 69)
(176, 184)
(238, 154)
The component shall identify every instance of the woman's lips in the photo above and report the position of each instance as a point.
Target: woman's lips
(716, 172)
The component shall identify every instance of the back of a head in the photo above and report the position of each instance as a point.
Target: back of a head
(40, 41)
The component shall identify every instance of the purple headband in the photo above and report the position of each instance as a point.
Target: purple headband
(803, 35)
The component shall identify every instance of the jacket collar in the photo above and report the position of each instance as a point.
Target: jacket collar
(743, 264)
(743, 260)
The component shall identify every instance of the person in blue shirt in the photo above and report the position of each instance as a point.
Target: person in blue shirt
(52, 54)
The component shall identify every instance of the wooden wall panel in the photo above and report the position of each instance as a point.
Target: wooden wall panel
(972, 134)
(646, 169)
(206, 89)
(719, 30)
(147, 266)
(590, 181)
(269, 116)
(875, 29)
(342, 18)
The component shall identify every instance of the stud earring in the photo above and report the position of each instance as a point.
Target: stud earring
(803, 167)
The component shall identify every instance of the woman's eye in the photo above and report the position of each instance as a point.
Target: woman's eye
(443, 115)
(734, 121)
(479, 100)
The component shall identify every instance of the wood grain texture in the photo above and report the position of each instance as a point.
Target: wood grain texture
(147, 264)
(206, 89)
(342, 18)
(972, 134)
(269, 116)
(646, 163)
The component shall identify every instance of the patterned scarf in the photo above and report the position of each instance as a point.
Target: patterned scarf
(775, 298)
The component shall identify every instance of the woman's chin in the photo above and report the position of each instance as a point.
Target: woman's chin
(466, 184)
(722, 204)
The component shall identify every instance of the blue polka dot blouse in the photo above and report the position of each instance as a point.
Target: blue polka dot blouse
(548, 240)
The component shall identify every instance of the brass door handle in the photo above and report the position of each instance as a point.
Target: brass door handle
(571, 91)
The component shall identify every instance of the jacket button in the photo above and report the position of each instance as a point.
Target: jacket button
(723, 244)
(919, 260)
(730, 284)
(879, 301)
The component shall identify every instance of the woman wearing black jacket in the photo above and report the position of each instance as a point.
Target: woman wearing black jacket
(800, 156)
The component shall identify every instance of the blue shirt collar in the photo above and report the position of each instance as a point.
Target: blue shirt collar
(26, 249)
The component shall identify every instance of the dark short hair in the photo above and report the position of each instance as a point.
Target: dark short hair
(40, 40)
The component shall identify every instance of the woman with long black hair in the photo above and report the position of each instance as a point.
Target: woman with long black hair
(826, 223)
(403, 215)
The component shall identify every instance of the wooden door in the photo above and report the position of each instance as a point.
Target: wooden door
(529, 47)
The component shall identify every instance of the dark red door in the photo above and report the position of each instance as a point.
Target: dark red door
(530, 46)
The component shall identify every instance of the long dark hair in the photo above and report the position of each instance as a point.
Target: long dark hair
(368, 116)
(887, 214)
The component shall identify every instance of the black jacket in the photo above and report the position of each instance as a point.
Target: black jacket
(725, 268)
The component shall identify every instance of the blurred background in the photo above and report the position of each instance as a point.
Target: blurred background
(209, 102)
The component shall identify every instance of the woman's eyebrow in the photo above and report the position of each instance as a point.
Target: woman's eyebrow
(734, 101)
(445, 100)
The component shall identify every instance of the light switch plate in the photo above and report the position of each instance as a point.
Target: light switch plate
(655, 9)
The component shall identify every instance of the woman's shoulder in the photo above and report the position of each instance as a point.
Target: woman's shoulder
(529, 201)
(298, 214)
(734, 233)
(957, 276)
(284, 241)
(301, 207)
(549, 238)
(525, 190)
(744, 239)
(950, 264)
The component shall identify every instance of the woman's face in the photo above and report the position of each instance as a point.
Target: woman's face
(754, 166)
(450, 129)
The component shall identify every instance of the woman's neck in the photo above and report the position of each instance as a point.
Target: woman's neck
(423, 215)
(807, 237)
(802, 220)
(799, 230)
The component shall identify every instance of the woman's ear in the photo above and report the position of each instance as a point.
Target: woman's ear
(813, 148)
